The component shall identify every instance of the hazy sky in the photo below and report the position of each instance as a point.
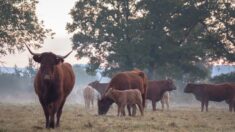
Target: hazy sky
(55, 14)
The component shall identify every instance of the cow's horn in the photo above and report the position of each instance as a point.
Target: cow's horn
(31, 51)
(63, 57)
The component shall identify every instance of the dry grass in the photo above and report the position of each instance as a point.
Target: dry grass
(75, 118)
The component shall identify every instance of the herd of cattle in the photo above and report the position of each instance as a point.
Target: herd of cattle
(55, 80)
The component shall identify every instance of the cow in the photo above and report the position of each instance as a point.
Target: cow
(100, 87)
(156, 90)
(165, 100)
(122, 98)
(212, 92)
(53, 83)
(89, 96)
(134, 79)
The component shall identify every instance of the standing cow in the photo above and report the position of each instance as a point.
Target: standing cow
(53, 83)
(212, 92)
(156, 89)
(135, 79)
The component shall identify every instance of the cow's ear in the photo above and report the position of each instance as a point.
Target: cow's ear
(59, 60)
(37, 58)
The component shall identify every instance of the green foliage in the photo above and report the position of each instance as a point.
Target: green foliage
(230, 77)
(168, 38)
(19, 25)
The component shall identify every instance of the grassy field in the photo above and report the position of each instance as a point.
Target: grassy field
(30, 118)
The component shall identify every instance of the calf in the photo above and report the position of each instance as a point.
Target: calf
(212, 92)
(156, 89)
(122, 98)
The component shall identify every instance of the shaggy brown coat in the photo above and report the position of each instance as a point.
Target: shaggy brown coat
(122, 98)
(213, 92)
(53, 83)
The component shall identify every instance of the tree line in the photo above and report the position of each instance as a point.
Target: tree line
(166, 38)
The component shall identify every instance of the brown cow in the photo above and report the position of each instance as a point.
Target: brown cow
(122, 98)
(135, 79)
(156, 89)
(53, 83)
(212, 92)
(100, 87)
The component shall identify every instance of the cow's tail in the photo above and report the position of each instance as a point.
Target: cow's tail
(145, 83)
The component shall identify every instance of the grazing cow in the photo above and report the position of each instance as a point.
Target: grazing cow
(53, 83)
(156, 89)
(212, 92)
(89, 96)
(122, 98)
(165, 100)
(100, 87)
(134, 79)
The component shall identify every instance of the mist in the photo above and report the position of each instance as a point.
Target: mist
(17, 88)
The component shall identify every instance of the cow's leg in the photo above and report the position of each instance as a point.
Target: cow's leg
(143, 99)
(206, 103)
(129, 110)
(154, 105)
(88, 103)
(133, 110)
(167, 104)
(123, 110)
(162, 102)
(141, 108)
(53, 108)
(119, 110)
(92, 102)
(46, 113)
(230, 105)
(58, 114)
(202, 105)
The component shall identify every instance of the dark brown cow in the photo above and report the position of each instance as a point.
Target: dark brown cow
(53, 83)
(212, 92)
(156, 89)
(135, 79)
(100, 87)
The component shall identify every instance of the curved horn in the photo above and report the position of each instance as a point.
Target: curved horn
(63, 57)
(31, 51)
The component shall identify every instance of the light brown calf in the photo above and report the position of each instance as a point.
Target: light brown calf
(122, 98)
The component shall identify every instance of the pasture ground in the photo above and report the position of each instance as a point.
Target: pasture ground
(30, 118)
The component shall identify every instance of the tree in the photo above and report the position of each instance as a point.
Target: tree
(171, 38)
(19, 25)
(103, 31)
(230, 77)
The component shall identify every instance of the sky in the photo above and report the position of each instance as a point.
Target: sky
(55, 14)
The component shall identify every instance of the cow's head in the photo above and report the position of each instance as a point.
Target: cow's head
(48, 61)
(171, 85)
(104, 104)
(189, 88)
(94, 84)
